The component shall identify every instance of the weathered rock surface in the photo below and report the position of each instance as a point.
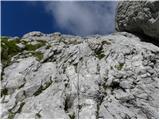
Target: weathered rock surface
(139, 17)
(65, 76)
(112, 76)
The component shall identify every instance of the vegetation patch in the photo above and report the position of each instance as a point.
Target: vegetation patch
(106, 42)
(31, 47)
(38, 115)
(72, 115)
(119, 66)
(9, 48)
(4, 92)
(74, 42)
(48, 46)
(38, 55)
(100, 54)
(11, 114)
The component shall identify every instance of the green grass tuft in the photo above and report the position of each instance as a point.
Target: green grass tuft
(8, 50)
(38, 55)
(30, 47)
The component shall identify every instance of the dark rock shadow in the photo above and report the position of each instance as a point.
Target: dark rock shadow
(145, 38)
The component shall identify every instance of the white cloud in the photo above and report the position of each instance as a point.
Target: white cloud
(83, 18)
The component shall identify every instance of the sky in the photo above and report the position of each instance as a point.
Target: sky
(76, 18)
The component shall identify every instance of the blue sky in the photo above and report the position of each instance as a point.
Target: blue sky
(78, 18)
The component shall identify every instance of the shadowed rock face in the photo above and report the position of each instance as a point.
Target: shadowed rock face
(65, 76)
(138, 17)
(113, 76)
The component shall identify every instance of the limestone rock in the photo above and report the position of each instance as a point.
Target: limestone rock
(33, 34)
(141, 17)
(110, 76)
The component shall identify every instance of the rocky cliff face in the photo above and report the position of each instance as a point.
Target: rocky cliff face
(141, 17)
(63, 76)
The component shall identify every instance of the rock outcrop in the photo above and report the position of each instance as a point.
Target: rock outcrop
(140, 17)
(64, 76)
(114, 76)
